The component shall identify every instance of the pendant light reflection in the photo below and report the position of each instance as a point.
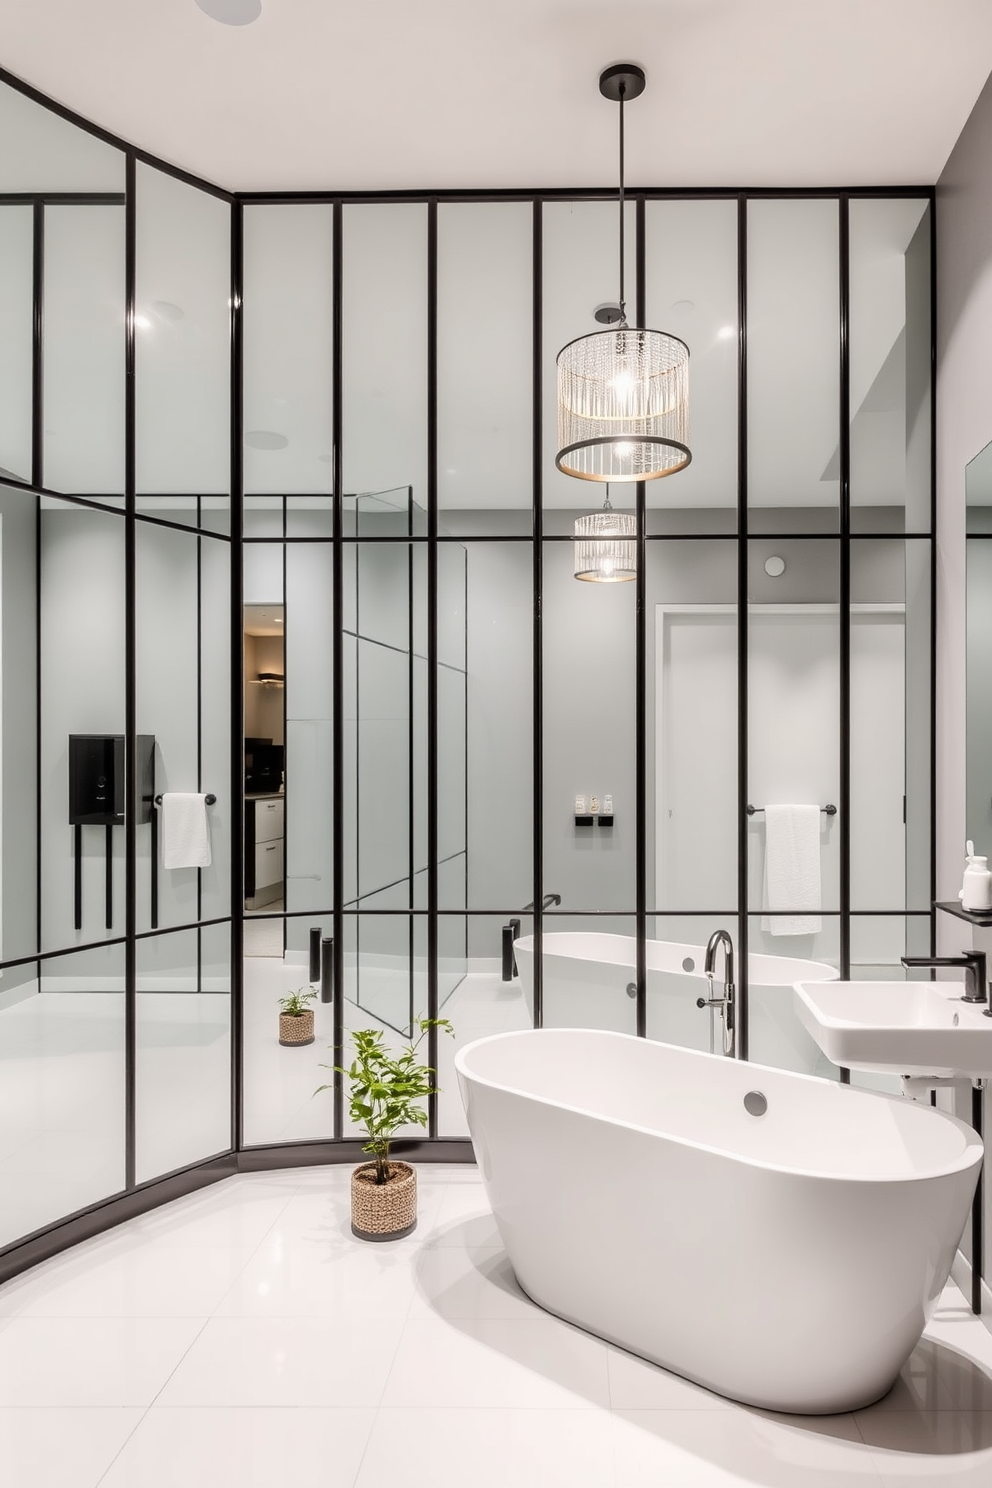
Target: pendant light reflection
(605, 546)
(623, 393)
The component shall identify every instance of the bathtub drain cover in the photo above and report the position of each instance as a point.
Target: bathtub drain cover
(688, 964)
(755, 1104)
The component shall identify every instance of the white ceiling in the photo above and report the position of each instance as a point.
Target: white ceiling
(383, 94)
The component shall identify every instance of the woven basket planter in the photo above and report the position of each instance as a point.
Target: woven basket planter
(296, 1030)
(383, 1211)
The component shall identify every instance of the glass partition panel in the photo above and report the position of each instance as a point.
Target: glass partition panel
(167, 629)
(288, 393)
(280, 1080)
(588, 737)
(16, 340)
(890, 724)
(499, 636)
(676, 952)
(588, 972)
(793, 731)
(19, 775)
(889, 338)
(793, 360)
(385, 347)
(182, 336)
(691, 711)
(691, 291)
(484, 1002)
(62, 1091)
(309, 728)
(84, 349)
(183, 1043)
(581, 270)
(82, 697)
(485, 402)
(40, 151)
(775, 1034)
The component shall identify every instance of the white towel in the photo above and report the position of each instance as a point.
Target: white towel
(792, 870)
(185, 833)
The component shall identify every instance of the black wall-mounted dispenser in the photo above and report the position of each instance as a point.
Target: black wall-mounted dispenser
(96, 779)
(97, 799)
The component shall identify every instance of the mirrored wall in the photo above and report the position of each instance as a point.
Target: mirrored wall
(117, 687)
(553, 792)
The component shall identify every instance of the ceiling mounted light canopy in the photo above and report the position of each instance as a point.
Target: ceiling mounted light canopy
(232, 12)
(605, 546)
(623, 393)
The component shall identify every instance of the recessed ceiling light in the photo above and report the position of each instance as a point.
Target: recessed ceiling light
(232, 12)
(725, 332)
(167, 310)
(143, 322)
(774, 566)
(266, 439)
(684, 307)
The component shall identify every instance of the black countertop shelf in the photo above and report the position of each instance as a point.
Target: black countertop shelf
(974, 917)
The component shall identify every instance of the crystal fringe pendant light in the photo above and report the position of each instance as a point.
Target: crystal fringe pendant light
(606, 546)
(623, 393)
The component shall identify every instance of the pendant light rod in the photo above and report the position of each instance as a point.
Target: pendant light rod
(623, 303)
(620, 84)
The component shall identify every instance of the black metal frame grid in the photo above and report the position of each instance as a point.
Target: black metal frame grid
(337, 1148)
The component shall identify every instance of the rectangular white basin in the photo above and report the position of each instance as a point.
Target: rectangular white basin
(901, 1028)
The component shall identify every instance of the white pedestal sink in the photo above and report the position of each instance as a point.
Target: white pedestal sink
(900, 1028)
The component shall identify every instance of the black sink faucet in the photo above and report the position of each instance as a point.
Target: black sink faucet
(975, 973)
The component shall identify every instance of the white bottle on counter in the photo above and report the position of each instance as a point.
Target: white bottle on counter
(976, 888)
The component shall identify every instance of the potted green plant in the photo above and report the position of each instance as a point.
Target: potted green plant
(385, 1092)
(295, 1018)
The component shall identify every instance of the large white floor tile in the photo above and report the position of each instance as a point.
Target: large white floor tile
(144, 1281)
(452, 1282)
(213, 1217)
(930, 1449)
(90, 1361)
(718, 1449)
(345, 1280)
(636, 1384)
(285, 1361)
(494, 1448)
(229, 1448)
(530, 1362)
(464, 1218)
(62, 1447)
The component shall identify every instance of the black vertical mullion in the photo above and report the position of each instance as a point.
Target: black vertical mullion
(199, 742)
(432, 679)
(537, 436)
(844, 447)
(130, 684)
(38, 347)
(37, 478)
(237, 518)
(640, 686)
(933, 574)
(411, 683)
(743, 888)
(337, 661)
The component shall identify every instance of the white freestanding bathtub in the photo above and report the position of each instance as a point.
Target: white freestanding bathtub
(587, 976)
(789, 1259)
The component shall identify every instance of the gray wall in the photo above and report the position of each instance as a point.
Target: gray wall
(964, 426)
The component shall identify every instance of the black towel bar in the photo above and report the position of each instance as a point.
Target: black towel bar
(827, 810)
(211, 800)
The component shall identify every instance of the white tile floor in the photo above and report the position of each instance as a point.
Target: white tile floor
(241, 1338)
